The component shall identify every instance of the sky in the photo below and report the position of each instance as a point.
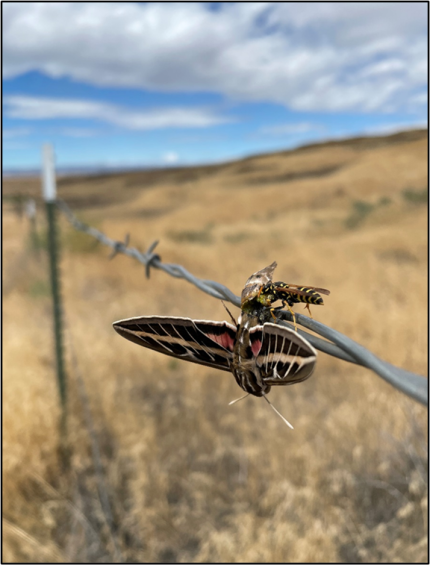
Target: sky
(174, 84)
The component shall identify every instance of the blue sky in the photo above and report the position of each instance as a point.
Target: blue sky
(161, 84)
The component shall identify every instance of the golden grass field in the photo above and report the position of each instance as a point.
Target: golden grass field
(189, 478)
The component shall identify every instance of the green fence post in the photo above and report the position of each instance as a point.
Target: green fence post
(49, 195)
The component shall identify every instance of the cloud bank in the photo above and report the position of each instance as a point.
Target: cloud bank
(42, 108)
(364, 57)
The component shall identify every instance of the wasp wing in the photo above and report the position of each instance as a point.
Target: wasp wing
(297, 287)
(199, 341)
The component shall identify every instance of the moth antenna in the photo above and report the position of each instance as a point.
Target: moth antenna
(237, 399)
(229, 313)
(279, 414)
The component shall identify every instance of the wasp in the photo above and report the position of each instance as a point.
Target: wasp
(260, 292)
(290, 294)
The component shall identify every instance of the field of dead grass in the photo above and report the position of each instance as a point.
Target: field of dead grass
(189, 478)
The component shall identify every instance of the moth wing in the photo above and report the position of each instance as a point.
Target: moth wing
(282, 355)
(256, 281)
(198, 341)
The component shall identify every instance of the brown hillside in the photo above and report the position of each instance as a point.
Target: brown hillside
(189, 478)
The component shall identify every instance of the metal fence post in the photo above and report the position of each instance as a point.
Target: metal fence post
(49, 195)
(30, 212)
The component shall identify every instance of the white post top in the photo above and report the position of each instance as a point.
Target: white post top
(49, 189)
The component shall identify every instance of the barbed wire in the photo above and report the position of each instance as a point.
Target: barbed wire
(335, 343)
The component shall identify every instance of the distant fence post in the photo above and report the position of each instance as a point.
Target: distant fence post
(49, 196)
(30, 213)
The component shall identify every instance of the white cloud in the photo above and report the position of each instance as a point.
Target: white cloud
(41, 108)
(309, 56)
(170, 157)
(15, 145)
(292, 128)
(79, 132)
(13, 133)
(395, 127)
(420, 99)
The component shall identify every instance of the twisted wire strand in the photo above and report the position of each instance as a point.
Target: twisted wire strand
(335, 343)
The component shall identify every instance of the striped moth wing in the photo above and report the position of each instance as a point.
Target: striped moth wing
(199, 341)
(255, 282)
(282, 355)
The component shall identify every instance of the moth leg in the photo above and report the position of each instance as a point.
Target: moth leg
(277, 412)
(309, 310)
(230, 314)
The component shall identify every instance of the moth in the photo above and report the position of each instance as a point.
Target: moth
(259, 353)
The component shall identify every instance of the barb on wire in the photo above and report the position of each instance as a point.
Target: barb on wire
(154, 257)
(334, 344)
(119, 246)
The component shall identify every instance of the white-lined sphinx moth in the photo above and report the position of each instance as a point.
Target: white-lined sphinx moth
(260, 354)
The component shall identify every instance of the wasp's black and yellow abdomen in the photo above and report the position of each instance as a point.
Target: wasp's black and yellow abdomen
(304, 294)
(311, 296)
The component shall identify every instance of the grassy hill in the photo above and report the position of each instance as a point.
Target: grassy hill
(188, 477)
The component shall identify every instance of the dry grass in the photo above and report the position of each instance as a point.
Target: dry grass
(188, 477)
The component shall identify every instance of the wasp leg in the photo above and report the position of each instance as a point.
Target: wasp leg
(273, 310)
(309, 310)
(285, 304)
